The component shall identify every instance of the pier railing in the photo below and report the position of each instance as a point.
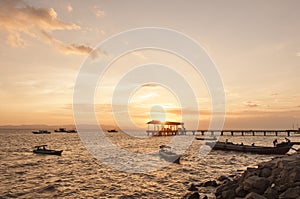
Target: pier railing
(226, 132)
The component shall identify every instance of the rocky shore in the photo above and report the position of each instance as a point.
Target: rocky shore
(278, 178)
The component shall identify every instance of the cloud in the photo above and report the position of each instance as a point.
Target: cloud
(69, 8)
(99, 12)
(251, 104)
(139, 54)
(17, 18)
(73, 48)
(151, 85)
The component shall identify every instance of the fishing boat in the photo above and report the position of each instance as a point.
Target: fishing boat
(280, 149)
(206, 138)
(72, 131)
(61, 130)
(64, 130)
(112, 131)
(41, 132)
(166, 153)
(41, 149)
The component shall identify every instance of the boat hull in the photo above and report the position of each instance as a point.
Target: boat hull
(170, 156)
(206, 138)
(280, 150)
(112, 131)
(48, 152)
(36, 132)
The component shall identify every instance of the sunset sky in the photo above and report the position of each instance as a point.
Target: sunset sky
(254, 44)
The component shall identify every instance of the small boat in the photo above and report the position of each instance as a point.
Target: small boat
(72, 131)
(61, 130)
(112, 131)
(280, 149)
(166, 153)
(42, 150)
(64, 130)
(206, 138)
(41, 132)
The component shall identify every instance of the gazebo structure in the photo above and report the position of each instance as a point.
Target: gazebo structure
(158, 128)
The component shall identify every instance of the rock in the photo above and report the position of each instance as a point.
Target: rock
(290, 193)
(256, 184)
(227, 187)
(210, 183)
(228, 194)
(192, 188)
(282, 187)
(265, 172)
(294, 175)
(271, 193)
(223, 178)
(281, 164)
(240, 192)
(194, 195)
(253, 195)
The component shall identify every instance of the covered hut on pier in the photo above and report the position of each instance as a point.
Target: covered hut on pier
(167, 128)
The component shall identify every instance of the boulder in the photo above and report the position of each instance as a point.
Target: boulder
(210, 183)
(294, 175)
(223, 178)
(253, 195)
(256, 184)
(227, 190)
(271, 193)
(194, 195)
(278, 178)
(228, 194)
(266, 172)
(240, 192)
(192, 188)
(291, 193)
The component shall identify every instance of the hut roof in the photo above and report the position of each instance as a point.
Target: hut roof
(164, 123)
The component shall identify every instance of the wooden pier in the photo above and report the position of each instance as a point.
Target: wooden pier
(226, 132)
(177, 128)
(245, 132)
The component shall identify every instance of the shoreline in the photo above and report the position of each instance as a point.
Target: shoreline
(277, 178)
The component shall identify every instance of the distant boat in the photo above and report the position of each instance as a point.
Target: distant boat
(64, 130)
(280, 149)
(61, 130)
(42, 150)
(166, 153)
(206, 138)
(72, 131)
(41, 132)
(112, 131)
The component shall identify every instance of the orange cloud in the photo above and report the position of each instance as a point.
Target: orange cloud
(17, 18)
(250, 104)
(99, 12)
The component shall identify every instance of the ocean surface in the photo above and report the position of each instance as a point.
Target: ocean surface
(77, 174)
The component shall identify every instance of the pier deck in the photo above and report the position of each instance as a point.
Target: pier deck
(228, 132)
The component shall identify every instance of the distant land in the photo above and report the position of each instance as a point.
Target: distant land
(36, 126)
(49, 127)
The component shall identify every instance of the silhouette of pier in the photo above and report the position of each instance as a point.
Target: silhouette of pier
(158, 128)
(206, 132)
(244, 132)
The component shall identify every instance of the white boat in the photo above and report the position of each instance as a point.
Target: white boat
(166, 153)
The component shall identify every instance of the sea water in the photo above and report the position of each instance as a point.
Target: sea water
(77, 174)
